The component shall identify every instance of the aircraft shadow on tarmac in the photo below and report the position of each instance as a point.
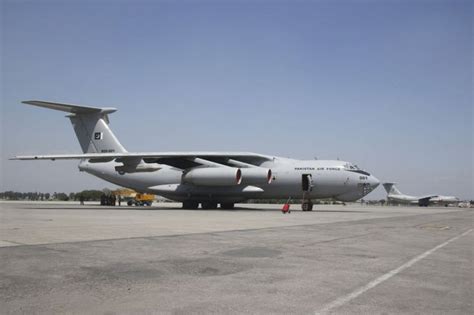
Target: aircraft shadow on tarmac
(236, 209)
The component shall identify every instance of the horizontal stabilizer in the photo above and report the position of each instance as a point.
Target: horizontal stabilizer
(391, 189)
(75, 109)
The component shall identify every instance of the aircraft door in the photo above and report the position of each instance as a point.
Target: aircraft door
(307, 182)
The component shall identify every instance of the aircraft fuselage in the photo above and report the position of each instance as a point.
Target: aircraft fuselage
(290, 178)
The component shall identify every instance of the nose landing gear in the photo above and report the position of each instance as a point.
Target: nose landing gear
(307, 205)
(307, 185)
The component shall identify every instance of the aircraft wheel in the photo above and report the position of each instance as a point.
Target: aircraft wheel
(190, 205)
(304, 206)
(209, 205)
(307, 206)
(227, 205)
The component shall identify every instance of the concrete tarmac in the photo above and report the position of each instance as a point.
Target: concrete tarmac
(66, 258)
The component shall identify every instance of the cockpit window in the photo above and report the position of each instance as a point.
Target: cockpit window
(355, 168)
(351, 167)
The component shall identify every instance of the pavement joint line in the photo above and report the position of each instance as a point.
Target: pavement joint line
(151, 237)
(12, 242)
(354, 294)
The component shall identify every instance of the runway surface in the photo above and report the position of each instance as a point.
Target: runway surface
(66, 258)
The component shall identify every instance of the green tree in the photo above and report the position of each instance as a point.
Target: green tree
(62, 197)
(91, 195)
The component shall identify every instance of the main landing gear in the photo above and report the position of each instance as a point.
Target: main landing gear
(190, 205)
(227, 205)
(207, 205)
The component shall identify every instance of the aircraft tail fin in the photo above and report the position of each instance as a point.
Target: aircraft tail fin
(91, 125)
(391, 189)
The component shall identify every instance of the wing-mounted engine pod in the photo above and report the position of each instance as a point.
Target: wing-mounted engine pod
(256, 175)
(213, 176)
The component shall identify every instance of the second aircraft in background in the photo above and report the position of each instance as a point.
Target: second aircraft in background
(395, 196)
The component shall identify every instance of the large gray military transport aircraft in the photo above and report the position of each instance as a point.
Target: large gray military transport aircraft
(395, 196)
(206, 178)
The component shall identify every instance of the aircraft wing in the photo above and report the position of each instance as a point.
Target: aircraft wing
(425, 200)
(427, 197)
(181, 160)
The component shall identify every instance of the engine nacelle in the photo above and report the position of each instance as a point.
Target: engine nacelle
(213, 176)
(256, 175)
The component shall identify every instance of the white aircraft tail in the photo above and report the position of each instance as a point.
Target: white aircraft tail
(91, 125)
(391, 189)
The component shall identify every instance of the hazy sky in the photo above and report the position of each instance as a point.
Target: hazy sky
(384, 84)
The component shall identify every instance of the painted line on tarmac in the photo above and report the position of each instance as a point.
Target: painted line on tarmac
(349, 297)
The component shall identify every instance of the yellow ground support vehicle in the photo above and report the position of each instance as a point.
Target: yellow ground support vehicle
(142, 200)
(133, 198)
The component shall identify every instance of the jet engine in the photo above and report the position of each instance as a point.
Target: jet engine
(213, 176)
(256, 175)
